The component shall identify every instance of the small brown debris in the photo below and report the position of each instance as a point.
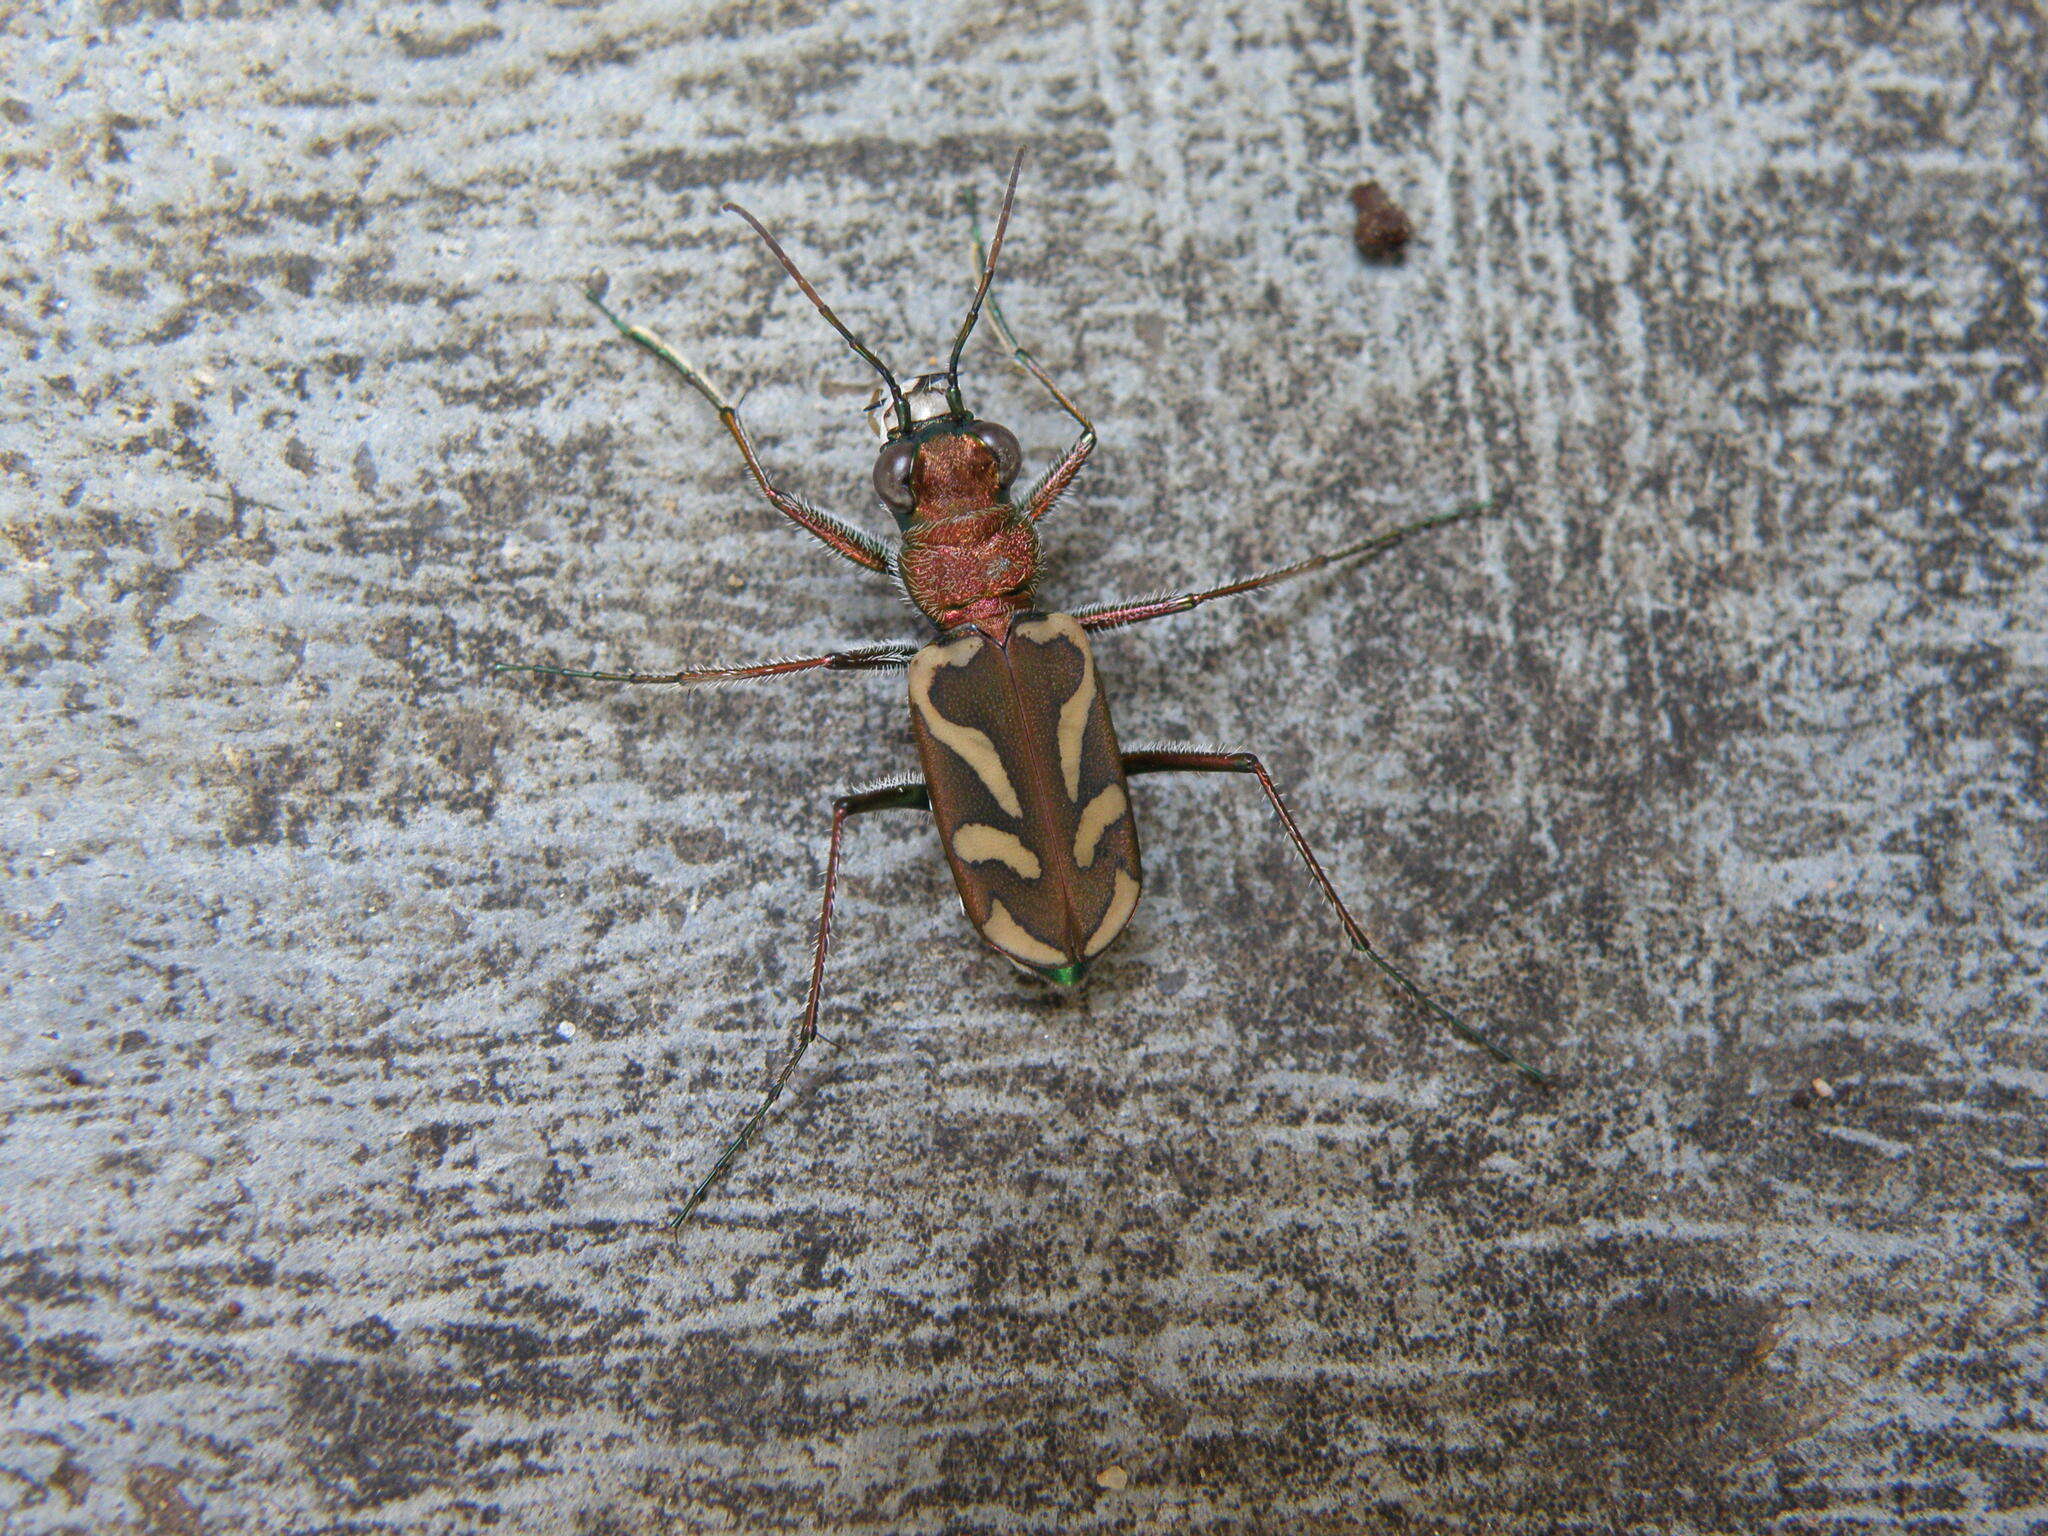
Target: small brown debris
(1382, 227)
(1823, 1089)
(1115, 1479)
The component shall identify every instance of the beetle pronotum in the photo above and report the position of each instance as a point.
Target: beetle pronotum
(1022, 771)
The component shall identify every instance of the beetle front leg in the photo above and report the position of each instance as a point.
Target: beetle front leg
(841, 538)
(1061, 475)
(1174, 761)
(1056, 480)
(888, 797)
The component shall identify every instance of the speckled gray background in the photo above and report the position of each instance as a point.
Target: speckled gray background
(367, 1015)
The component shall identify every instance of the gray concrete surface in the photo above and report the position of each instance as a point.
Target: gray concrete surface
(366, 1015)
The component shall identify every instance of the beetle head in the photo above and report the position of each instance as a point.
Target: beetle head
(947, 460)
(939, 458)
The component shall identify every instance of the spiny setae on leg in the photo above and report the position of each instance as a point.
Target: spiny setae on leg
(1022, 771)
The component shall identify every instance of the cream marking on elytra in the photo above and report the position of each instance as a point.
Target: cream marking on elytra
(1100, 815)
(1012, 938)
(1073, 713)
(974, 747)
(1119, 913)
(978, 843)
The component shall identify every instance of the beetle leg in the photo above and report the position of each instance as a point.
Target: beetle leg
(1055, 481)
(1136, 611)
(1061, 475)
(887, 797)
(1174, 761)
(842, 538)
(872, 658)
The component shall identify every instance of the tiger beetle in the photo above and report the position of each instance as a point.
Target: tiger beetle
(1022, 771)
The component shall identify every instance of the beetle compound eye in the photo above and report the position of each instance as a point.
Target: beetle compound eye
(1001, 442)
(892, 475)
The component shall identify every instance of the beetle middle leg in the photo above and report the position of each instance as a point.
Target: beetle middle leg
(1177, 761)
(867, 658)
(1138, 610)
(888, 797)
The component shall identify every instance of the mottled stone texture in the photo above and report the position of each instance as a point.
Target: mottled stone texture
(367, 1014)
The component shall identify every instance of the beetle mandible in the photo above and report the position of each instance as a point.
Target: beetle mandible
(1022, 771)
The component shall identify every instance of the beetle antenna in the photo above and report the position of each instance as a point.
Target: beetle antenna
(853, 341)
(988, 276)
(1022, 358)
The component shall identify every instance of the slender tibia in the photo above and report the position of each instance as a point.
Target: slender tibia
(842, 538)
(874, 658)
(889, 797)
(1138, 610)
(1061, 475)
(1248, 762)
(641, 337)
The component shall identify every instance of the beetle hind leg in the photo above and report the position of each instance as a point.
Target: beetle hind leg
(909, 795)
(1183, 761)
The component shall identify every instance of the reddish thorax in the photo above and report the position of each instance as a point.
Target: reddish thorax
(967, 557)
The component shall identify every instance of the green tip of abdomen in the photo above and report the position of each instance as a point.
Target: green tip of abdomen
(1065, 975)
